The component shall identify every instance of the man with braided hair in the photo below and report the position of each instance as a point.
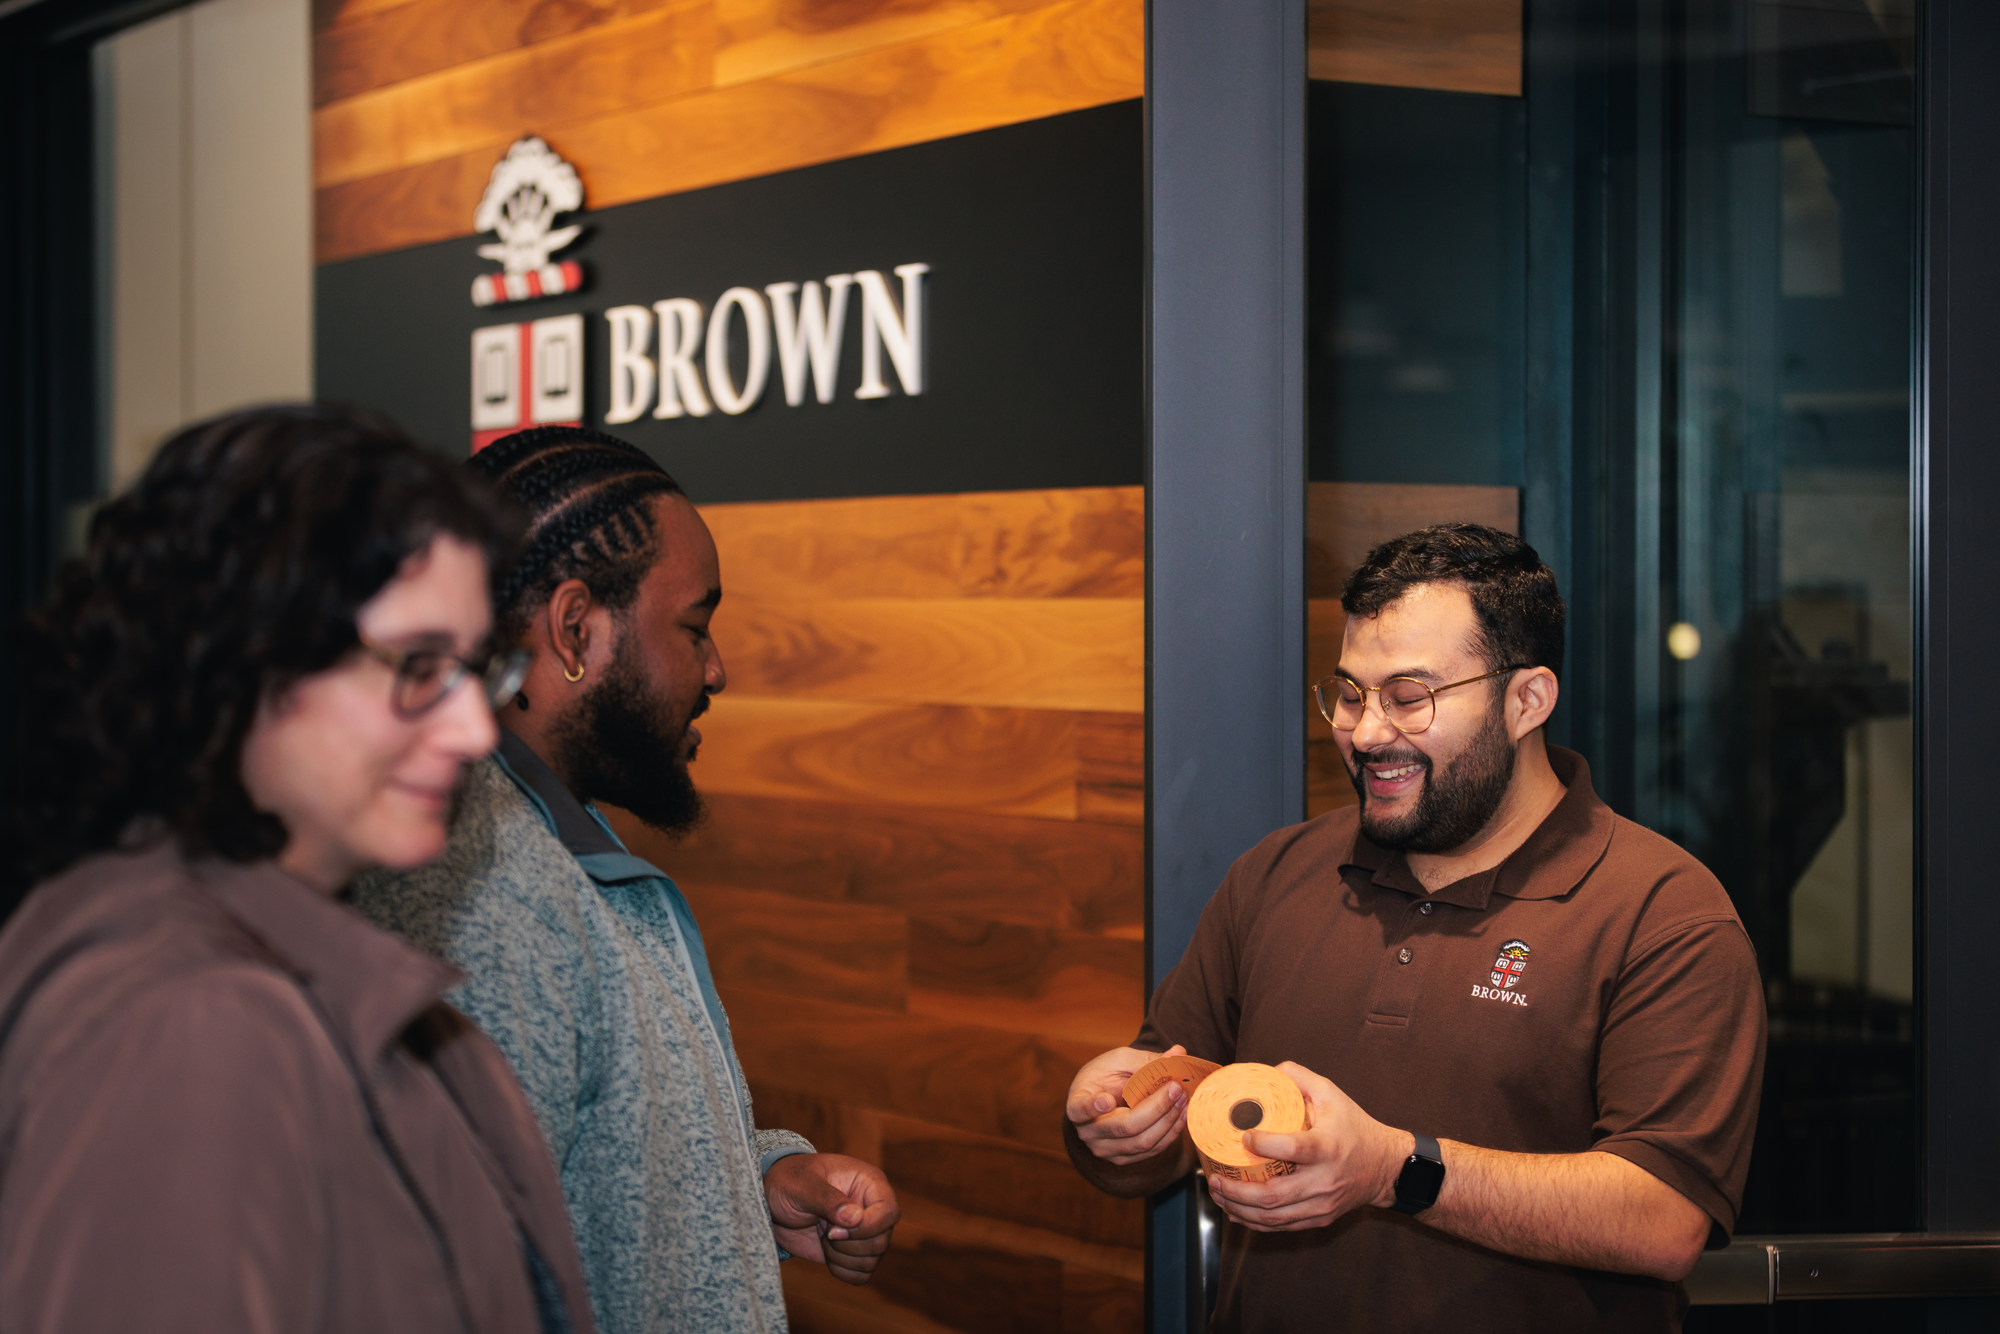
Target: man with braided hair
(584, 962)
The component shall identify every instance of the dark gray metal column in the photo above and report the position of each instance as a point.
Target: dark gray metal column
(1956, 496)
(1225, 482)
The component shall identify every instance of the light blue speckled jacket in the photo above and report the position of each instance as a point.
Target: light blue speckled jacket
(585, 965)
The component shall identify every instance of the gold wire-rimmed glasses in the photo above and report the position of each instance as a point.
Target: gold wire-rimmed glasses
(1410, 705)
(424, 676)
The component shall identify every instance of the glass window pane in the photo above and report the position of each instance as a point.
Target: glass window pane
(1786, 740)
(1739, 487)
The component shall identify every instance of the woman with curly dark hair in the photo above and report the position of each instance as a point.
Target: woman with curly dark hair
(227, 1102)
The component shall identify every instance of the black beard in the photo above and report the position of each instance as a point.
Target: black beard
(1456, 804)
(622, 746)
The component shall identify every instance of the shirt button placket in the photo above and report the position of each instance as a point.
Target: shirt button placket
(1402, 981)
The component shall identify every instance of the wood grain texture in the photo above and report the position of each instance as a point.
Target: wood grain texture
(1111, 804)
(980, 1229)
(1094, 1303)
(1344, 520)
(1086, 988)
(1326, 623)
(1025, 1188)
(974, 1187)
(818, 1303)
(1111, 747)
(603, 69)
(370, 49)
(1049, 873)
(1111, 767)
(802, 947)
(820, 1120)
(1007, 1085)
(404, 164)
(1005, 761)
(397, 209)
(756, 39)
(1127, 1263)
(975, 1288)
(1327, 783)
(1042, 62)
(1087, 542)
(1035, 653)
(1467, 46)
(330, 13)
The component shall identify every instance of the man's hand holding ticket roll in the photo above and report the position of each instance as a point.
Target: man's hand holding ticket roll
(1346, 1159)
(1487, 958)
(1126, 1136)
(1528, 1204)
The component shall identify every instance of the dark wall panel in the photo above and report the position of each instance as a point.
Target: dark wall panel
(1032, 316)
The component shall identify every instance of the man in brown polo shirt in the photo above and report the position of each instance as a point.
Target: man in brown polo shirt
(1530, 1032)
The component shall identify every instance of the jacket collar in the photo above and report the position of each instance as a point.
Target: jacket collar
(368, 983)
(1557, 857)
(585, 836)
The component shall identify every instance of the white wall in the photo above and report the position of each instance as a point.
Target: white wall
(204, 219)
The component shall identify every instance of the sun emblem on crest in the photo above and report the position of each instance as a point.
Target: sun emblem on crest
(1512, 963)
(530, 187)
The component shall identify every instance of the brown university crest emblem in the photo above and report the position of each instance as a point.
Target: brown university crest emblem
(1512, 963)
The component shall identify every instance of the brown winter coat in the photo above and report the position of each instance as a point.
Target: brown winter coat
(229, 1103)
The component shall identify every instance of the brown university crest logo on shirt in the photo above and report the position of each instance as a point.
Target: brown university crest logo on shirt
(1513, 962)
(1506, 976)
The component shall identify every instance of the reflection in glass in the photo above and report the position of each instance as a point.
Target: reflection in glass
(1785, 757)
(1747, 530)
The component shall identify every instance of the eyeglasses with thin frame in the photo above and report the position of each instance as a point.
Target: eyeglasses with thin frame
(424, 676)
(1410, 705)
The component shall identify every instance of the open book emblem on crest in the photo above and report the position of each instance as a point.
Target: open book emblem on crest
(529, 188)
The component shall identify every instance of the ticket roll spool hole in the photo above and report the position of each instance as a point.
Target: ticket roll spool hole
(1223, 1103)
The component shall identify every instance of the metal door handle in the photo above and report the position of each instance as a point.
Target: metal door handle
(1756, 1271)
(1761, 1270)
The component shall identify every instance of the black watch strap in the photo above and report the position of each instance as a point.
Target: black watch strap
(1422, 1177)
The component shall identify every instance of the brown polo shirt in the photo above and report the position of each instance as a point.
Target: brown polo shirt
(1593, 991)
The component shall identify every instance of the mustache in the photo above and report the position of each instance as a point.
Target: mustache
(1391, 755)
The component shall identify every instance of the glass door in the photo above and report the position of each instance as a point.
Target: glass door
(1773, 729)
(1652, 307)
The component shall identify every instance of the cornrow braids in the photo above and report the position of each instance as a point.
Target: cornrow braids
(588, 497)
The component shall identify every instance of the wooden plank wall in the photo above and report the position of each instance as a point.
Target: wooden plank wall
(922, 879)
(922, 883)
(414, 100)
(1343, 521)
(1464, 46)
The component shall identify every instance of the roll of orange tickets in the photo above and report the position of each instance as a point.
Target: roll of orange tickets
(1244, 1097)
(1188, 1071)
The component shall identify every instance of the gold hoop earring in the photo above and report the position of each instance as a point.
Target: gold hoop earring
(573, 679)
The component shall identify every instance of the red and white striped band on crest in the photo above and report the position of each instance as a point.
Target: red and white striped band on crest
(490, 289)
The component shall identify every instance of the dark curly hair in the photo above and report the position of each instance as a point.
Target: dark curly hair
(587, 496)
(232, 568)
(1514, 595)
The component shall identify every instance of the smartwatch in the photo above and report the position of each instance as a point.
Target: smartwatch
(1421, 1178)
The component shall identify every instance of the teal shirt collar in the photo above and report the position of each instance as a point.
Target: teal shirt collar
(589, 838)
